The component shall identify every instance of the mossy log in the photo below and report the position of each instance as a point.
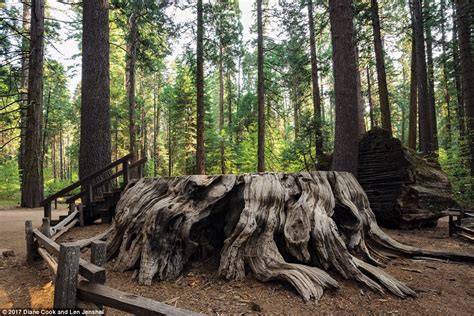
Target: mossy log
(404, 189)
(280, 226)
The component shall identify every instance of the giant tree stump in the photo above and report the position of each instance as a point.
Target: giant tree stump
(404, 189)
(292, 227)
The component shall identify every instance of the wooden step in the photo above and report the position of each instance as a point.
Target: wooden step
(108, 194)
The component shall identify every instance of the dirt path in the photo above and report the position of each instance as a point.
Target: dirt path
(13, 225)
(442, 288)
(23, 285)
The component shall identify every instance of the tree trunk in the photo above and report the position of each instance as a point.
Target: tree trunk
(200, 169)
(457, 81)
(404, 190)
(381, 75)
(315, 85)
(61, 155)
(221, 106)
(260, 91)
(279, 226)
(130, 75)
(422, 79)
(447, 98)
(373, 121)
(345, 85)
(156, 130)
(53, 157)
(413, 98)
(95, 144)
(45, 127)
(24, 85)
(430, 72)
(32, 188)
(464, 14)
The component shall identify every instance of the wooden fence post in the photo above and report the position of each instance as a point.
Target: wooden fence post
(65, 287)
(81, 214)
(99, 253)
(126, 175)
(72, 207)
(46, 227)
(31, 245)
(47, 209)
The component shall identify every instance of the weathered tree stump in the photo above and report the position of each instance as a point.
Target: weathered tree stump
(404, 190)
(290, 227)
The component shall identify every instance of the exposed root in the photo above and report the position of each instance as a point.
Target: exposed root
(288, 227)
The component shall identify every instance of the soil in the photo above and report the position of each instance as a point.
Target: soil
(442, 287)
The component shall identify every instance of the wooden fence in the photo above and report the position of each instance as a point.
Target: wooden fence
(461, 223)
(78, 282)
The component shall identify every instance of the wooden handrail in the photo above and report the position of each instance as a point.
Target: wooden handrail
(85, 179)
(102, 182)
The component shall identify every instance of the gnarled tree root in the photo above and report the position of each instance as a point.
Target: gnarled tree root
(281, 226)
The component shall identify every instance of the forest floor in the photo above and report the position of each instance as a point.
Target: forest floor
(443, 288)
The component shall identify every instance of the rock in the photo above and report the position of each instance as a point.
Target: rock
(7, 253)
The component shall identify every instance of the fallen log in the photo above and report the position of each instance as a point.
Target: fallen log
(404, 189)
(293, 227)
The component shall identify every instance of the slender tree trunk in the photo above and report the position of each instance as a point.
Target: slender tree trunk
(315, 85)
(373, 122)
(130, 80)
(53, 157)
(229, 102)
(200, 168)
(24, 84)
(447, 98)
(430, 72)
(45, 127)
(260, 91)
(95, 144)
(221, 106)
(413, 98)
(381, 75)
(464, 14)
(61, 155)
(345, 85)
(422, 80)
(457, 81)
(170, 152)
(32, 188)
(360, 98)
(156, 129)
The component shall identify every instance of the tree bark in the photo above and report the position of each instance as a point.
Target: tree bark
(292, 227)
(431, 90)
(156, 128)
(345, 85)
(422, 80)
(61, 155)
(457, 81)
(130, 75)
(200, 168)
(464, 14)
(221, 106)
(32, 188)
(373, 121)
(260, 91)
(315, 85)
(95, 144)
(413, 98)
(381, 75)
(447, 98)
(24, 85)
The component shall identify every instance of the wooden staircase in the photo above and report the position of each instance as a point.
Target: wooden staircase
(97, 196)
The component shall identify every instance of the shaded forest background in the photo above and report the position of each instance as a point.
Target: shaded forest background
(154, 86)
